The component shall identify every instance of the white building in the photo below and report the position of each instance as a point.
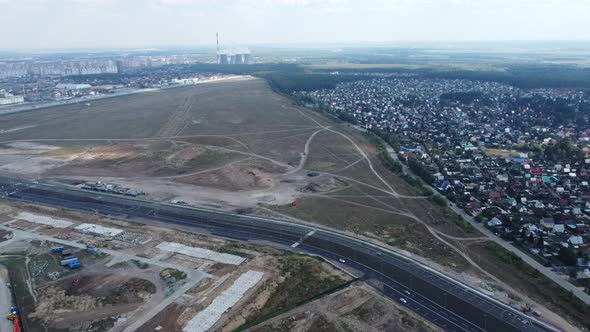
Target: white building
(8, 98)
(67, 86)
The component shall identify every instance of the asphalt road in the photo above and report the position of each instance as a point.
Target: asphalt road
(445, 302)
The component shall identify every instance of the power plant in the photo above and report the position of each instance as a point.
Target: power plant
(236, 56)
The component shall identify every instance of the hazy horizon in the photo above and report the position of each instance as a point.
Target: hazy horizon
(133, 24)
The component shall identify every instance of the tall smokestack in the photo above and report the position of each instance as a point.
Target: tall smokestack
(217, 37)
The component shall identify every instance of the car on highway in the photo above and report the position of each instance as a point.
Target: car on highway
(402, 300)
(341, 260)
(407, 292)
(378, 253)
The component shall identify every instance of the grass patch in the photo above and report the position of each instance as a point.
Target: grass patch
(395, 166)
(130, 291)
(292, 306)
(438, 200)
(384, 156)
(305, 277)
(172, 273)
(233, 248)
(458, 220)
(140, 264)
(538, 287)
(23, 299)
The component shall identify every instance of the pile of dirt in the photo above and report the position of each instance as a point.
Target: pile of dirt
(182, 156)
(133, 291)
(322, 186)
(105, 152)
(53, 300)
(233, 177)
(109, 288)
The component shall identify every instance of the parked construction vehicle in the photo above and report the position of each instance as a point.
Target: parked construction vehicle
(13, 316)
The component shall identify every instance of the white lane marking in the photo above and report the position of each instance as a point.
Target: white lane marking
(312, 232)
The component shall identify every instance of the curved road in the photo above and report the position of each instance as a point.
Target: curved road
(445, 302)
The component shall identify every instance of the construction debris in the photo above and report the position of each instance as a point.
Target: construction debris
(98, 230)
(201, 253)
(54, 300)
(43, 220)
(133, 237)
(110, 188)
(53, 275)
(206, 318)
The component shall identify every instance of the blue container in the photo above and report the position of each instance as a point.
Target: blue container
(56, 250)
(74, 265)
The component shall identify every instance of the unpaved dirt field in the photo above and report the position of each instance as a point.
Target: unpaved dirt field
(356, 308)
(238, 146)
(114, 288)
(235, 136)
(227, 145)
(231, 145)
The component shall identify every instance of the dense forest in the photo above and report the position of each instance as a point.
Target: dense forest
(556, 111)
(522, 76)
(292, 82)
(462, 97)
(563, 150)
(291, 77)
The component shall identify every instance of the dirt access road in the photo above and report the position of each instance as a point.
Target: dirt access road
(140, 316)
(5, 299)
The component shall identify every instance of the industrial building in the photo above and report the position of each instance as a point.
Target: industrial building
(8, 98)
(57, 68)
(234, 57)
(70, 86)
(237, 56)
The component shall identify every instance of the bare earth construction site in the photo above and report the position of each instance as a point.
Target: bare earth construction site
(233, 146)
(228, 144)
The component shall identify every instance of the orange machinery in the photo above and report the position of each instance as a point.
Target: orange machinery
(16, 326)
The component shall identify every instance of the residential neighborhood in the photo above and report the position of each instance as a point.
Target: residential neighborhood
(517, 160)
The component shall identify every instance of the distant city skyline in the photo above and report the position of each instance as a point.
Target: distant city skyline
(75, 24)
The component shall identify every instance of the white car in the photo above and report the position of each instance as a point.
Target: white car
(341, 260)
(407, 292)
(402, 300)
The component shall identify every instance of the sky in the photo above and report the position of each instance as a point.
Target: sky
(71, 24)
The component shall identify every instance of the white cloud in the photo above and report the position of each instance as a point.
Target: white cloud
(73, 23)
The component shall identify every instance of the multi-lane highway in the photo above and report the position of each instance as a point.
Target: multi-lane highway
(445, 302)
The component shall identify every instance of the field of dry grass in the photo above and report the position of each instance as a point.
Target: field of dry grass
(236, 145)
(232, 144)
(353, 309)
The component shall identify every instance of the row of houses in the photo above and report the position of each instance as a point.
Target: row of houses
(517, 160)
